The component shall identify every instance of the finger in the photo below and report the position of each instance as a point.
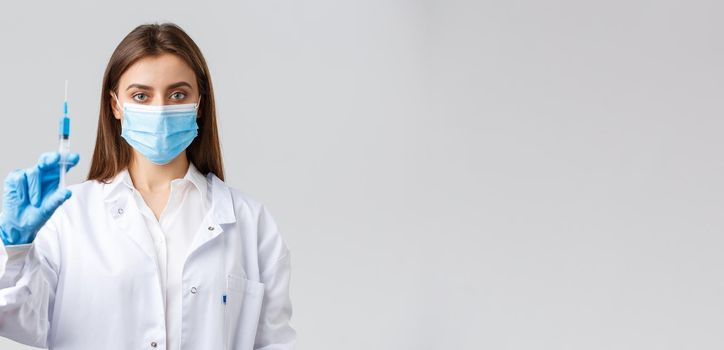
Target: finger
(48, 159)
(48, 167)
(50, 175)
(53, 202)
(34, 186)
(51, 180)
(72, 160)
(15, 186)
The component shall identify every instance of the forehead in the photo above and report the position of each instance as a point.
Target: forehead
(158, 72)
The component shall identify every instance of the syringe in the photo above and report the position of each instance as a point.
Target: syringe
(64, 147)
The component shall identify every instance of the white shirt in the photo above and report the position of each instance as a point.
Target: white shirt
(172, 236)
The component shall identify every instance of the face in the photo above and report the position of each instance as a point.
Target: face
(158, 80)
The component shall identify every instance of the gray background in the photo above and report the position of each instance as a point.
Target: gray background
(448, 174)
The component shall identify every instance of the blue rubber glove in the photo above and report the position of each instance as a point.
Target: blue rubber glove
(31, 196)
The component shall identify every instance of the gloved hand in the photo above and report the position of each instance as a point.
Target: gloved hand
(31, 196)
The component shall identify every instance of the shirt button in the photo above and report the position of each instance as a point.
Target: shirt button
(211, 228)
(153, 344)
(120, 210)
(194, 290)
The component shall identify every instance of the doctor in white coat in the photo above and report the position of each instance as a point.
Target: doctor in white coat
(154, 250)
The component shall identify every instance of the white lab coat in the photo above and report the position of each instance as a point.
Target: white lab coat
(90, 281)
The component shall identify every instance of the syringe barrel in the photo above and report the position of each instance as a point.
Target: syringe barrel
(63, 149)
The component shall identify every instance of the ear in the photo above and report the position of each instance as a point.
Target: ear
(114, 106)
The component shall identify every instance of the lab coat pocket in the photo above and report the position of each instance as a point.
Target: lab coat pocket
(241, 313)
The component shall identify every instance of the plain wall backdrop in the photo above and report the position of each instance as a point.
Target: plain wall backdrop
(447, 174)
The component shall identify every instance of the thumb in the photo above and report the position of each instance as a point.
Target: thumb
(53, 202)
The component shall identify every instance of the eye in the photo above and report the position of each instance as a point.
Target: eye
(178, 95)
(140, 97)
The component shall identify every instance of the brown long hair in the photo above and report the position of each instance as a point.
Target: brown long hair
(112, 153)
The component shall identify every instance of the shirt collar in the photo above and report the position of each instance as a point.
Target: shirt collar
(198, 179)
(192, 174)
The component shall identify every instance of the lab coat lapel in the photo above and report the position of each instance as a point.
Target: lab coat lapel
(126, 220)
(221, 212)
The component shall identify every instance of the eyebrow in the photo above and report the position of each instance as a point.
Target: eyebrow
(146, 87)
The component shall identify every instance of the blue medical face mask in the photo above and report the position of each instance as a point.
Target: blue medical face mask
(159, 132)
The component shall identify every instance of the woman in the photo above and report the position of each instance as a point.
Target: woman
(154, 250)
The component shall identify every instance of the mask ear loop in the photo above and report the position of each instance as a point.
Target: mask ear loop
(118, 103)
(198, 103)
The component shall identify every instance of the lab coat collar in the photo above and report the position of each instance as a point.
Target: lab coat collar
(221, 200)
(222, 203)
(111, 188)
